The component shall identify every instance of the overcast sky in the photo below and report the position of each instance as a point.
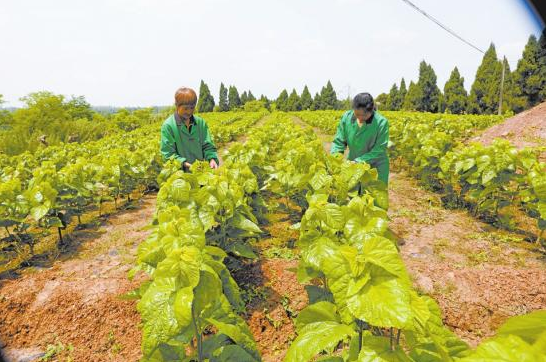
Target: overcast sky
(137, 52)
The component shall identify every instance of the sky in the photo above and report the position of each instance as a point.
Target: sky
(138, 52)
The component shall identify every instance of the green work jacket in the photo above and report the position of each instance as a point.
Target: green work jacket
(187, 145)
(367, 143)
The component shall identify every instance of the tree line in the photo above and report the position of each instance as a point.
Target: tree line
(230, 100)
(522, 88)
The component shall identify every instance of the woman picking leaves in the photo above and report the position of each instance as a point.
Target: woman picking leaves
(185, 136)
(366, 132)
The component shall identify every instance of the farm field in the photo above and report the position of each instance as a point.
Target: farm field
(285, 253)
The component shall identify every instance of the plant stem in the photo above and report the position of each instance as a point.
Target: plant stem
(540, 236)
(392, 339)
(198, 336)
(7, 230)
(359, 323)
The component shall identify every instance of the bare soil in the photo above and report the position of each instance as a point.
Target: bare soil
(526, 129)
(75, 302)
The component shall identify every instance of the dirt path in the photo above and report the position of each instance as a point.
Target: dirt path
(73, 305)
(479, 275)
(270, 287)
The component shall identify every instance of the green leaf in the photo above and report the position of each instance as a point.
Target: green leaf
(242, 223)
(231, 353)
(38, 212)
(315, 338)
(378, 349)
(528, 327)
(318, 312)
(383, 302)
(488, 175)
(241, 249)
(508, 348)
(239, 335)
(182, 306)
(318, 294)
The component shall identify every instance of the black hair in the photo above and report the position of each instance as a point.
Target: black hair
(363, 101)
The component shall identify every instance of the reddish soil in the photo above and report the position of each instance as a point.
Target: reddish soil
(480, 276)
(74, 303)
(526, 129)
(277, 296)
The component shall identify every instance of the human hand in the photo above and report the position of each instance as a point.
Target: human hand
(213, 164)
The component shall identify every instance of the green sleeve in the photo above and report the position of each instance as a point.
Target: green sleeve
(168, 148)
(379, 150)
(340, 140)
(209, 149)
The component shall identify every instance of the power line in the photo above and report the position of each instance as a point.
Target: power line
(442, 25)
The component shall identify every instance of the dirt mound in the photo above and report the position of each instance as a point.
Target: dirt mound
(526, 129)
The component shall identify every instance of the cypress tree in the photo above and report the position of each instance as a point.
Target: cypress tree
(223, 99)
(206, 101)
(484, 93)
(328, 97)
(282, 101)
(317, 103)
(542, 64)
(267, 102)
(244, 98)
(413, 97)
(250, 96)
(402, 93)
(393, 99)
(455, 95)
(528, 77)
(429, 91)
(293, 102)
(306, 101)
(234, 101)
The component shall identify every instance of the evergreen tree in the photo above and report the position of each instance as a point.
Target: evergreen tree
(328, 98)
(234, 101)
(393, 99)
(413, 97)
(282, 100)
(223, 99)
(429, 91)
(250, 96)
(306, 101)
(382, 101)
(455, 95)
(484, 94)
(542, 63)
(293, 102)
(527, 77)
(244, 98)
(206, 101)
(317, 103)
(266, 101)
(402, 93)
(510, 100)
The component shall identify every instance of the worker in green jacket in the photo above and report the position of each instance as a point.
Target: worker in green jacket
(184, 136)
(366, 132)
